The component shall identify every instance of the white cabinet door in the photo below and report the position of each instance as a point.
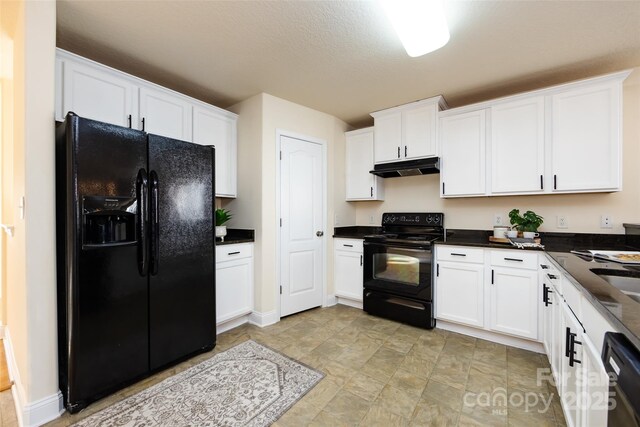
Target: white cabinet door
(360, 184)
(586, 138)
(595, 391)
(387, 130)
(98, 94)
(460, 293)
(210, 127)
(514, 302)
(165, 114)
(348, 274)
(462, 160)
(234, 287)
(419, 132)
(517, 146)
(571, 375)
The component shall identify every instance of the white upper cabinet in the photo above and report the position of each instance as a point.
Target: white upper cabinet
(517, 146)
(97, 94)
(586, 140)
(419, 136)
(212, 126)
(164, 113)
(388, 137)
(360, 184)
(562, 139)
(407, 132)
(462, 147)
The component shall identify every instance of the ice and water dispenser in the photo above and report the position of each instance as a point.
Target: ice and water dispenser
(108, 220)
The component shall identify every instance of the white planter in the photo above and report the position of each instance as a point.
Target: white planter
(221, 231)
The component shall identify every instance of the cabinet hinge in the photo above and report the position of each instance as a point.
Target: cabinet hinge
(281, 155)
(280, 222)
(492, 277)
(437, 270)
(280, 290)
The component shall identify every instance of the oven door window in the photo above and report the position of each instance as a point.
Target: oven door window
(398, 270)
(396, 267)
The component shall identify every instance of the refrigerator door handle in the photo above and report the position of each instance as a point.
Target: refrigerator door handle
(142, 199)
(155, 223)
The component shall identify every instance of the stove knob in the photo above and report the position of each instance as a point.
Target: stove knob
(417, 219)
(392, 218)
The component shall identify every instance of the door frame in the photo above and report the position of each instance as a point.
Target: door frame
(323, 144)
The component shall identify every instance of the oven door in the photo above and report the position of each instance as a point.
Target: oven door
(398, 269)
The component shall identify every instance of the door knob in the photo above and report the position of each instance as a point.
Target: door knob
(319, 233)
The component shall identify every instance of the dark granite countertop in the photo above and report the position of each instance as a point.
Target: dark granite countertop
(355, 231)
(554, 242)
(236, 235)
(613, 304)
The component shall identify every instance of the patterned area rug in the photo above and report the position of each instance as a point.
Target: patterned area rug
(247, 385)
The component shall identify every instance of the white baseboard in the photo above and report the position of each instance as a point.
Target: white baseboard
(264, 319)
(230, 324)
(491, 336)
(34, 413)
(44, 410)
(331, 301)
(350, 302)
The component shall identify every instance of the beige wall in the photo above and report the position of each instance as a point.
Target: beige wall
(28, 170)
(257, 167)
(583, 211)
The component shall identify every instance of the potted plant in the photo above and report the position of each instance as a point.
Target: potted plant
(526, 223)
(222, 216)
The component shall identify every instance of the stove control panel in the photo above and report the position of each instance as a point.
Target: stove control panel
(414, 219)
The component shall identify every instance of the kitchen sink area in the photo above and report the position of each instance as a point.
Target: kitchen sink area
(626, 280)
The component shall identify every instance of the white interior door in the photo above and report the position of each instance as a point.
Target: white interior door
(301, 232)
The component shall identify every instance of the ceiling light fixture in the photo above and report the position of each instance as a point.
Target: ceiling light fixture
(420, 24)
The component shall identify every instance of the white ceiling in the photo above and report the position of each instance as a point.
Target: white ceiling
(342, 57)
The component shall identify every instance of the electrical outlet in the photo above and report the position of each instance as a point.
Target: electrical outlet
(606, 221)
(497, 219)
(371, 221)
(562, 222)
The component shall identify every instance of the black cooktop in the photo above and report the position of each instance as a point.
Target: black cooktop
(410, 228)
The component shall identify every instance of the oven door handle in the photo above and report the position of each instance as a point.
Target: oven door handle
(416, 249)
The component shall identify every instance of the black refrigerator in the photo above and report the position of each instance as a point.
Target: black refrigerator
(136, 255)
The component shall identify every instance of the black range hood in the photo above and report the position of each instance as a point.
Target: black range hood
(407, 168)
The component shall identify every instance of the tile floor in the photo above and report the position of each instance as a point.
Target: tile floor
(382, 373)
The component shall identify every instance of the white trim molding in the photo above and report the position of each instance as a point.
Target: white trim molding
(350, 302)
(330, 301)
(34, 413)
(264, 319)
(227, 325)
(491, 336)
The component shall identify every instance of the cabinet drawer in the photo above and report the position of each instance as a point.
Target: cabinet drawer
(460, 254)
(231, 252)
(351, 245)
(517, 259)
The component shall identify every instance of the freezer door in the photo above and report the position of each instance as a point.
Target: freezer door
(182, 267)
(103, 298)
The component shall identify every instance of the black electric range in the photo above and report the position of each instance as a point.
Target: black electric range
(398, 267)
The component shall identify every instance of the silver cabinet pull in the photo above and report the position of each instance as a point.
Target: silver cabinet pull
(319, 233)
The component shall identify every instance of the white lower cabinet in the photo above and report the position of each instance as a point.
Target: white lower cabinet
(573, 333)
(234, 281)
(347, 267)
(459, 292)
(513, 293)
(570, 332)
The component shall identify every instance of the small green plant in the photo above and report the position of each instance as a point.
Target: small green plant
(222, 216)
(529, 221)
